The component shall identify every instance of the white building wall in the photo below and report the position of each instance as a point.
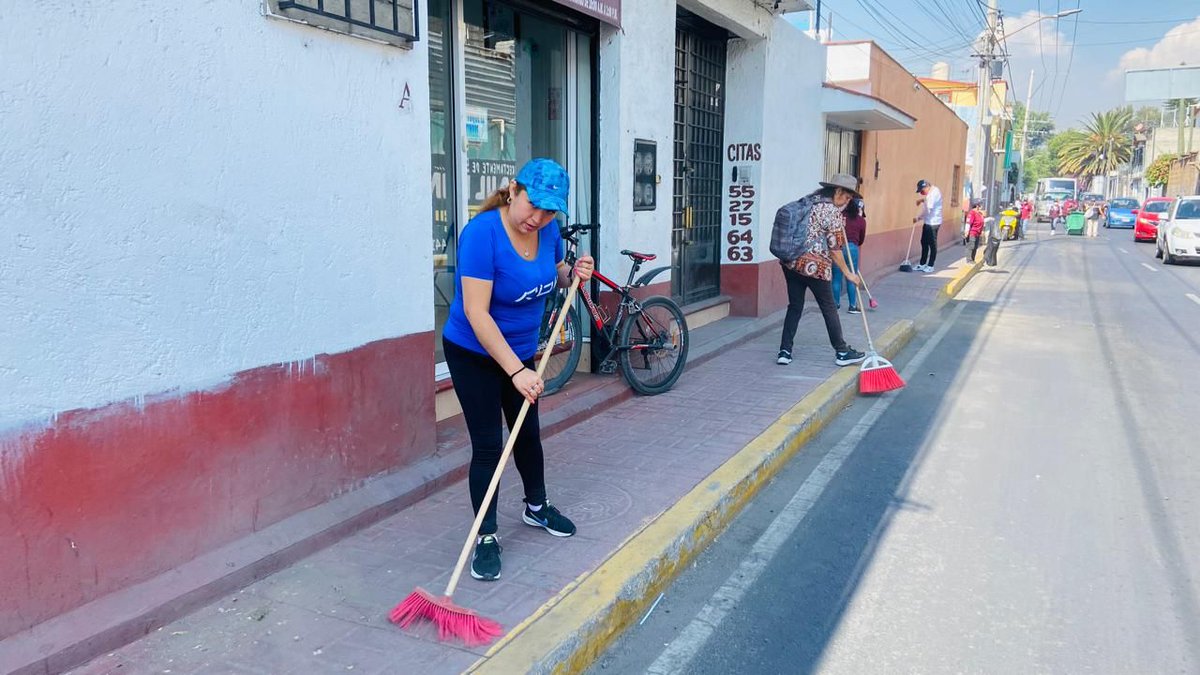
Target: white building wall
(774, 133)
(637, 89)
(848, 64)
(188, 190)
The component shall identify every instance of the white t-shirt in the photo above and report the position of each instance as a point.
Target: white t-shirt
(931, 210)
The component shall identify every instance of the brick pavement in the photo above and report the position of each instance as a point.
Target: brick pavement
(612, 474)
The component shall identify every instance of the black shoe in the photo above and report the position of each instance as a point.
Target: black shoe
(784, 358)
(549, 519)
(485, 564)
(849, 356)
(855, 310)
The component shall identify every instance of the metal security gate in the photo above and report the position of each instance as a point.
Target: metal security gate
(699, 144)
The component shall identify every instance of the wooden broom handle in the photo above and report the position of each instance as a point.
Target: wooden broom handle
(508, 447)
(866, 328)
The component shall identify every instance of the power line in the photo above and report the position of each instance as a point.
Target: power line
(1071, 59)
(897, 35)
(952, 19)
(1057, 32)
(1041, 51)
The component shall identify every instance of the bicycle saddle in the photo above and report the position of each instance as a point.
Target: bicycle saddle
(640, 257)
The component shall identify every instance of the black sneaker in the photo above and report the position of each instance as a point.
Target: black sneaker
(549, 519)
(784, 358)
(849, 357)
(855, 310)
(485, 564)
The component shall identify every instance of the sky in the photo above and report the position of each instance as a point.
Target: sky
(1077, 61)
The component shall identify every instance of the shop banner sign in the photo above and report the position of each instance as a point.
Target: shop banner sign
(608, 11)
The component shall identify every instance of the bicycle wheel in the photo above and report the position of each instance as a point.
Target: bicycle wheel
(566, 345)
(654, 346)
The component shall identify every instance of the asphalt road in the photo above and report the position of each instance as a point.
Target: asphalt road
(1028, 504)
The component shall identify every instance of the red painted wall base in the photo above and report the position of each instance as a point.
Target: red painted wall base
(109, 497)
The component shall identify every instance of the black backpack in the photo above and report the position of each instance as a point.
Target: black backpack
(791, 229)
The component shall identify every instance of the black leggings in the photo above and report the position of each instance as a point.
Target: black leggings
(929, 235)
(822, 290)
(484, 390)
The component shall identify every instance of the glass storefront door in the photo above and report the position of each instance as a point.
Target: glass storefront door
(525, 91)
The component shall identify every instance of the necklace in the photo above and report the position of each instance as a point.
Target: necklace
(514, 236)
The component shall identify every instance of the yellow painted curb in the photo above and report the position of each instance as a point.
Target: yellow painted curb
(568, 633)
(961, 277)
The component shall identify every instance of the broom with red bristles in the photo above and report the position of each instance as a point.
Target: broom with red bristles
(452, 620)
(877, 374)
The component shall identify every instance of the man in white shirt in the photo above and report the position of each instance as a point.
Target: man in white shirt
(930, 202)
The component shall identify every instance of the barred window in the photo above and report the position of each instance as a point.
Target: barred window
(391, 21)
(841, 150)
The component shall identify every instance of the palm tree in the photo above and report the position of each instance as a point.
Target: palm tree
(1104, 145)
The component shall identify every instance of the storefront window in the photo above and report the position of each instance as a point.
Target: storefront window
(442, 144)
(526, 83)
(515, 83)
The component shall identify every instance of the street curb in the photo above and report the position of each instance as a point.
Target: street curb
(568, 633)
(960, 279)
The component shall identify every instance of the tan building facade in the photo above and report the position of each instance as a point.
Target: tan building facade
(891, 160)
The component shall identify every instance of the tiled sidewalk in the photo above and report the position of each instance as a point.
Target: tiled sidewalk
(612, 474)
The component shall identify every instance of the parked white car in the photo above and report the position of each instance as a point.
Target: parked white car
(1179, 231)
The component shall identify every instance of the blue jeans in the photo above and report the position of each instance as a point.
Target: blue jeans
(839, 278)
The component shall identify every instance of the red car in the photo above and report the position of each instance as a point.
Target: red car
(1146, 227)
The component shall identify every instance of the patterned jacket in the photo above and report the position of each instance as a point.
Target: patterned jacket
(826, 235)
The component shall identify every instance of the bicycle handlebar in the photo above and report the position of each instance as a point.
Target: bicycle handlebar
(570, 231)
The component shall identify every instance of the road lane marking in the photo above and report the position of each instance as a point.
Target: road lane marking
(1193, 298)
(678, 654)
(1150, 267)
(1122, 250)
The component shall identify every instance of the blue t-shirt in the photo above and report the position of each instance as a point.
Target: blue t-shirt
(519, 286)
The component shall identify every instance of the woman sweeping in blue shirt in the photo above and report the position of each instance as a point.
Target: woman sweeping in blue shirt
(510, 257)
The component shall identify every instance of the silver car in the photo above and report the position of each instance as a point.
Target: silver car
(1179, 231)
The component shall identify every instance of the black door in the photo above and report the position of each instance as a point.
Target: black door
(699, 139)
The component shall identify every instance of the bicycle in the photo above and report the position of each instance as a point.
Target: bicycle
(647, 339)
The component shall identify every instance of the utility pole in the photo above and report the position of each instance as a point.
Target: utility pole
(982, 173)
(1025, 133)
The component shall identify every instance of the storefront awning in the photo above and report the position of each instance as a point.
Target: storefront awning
(608, 11)
(854, 110)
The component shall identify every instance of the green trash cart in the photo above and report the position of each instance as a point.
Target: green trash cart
(1075, 223)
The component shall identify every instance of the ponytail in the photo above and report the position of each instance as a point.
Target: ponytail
(499, 198)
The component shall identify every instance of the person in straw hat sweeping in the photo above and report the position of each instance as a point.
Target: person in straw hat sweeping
(808, 237)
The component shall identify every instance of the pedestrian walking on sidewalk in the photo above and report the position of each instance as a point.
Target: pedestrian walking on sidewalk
(856, 234)
(930, 202)
(1026, 214)
(808, 237)
(510, 257)
(974, 228)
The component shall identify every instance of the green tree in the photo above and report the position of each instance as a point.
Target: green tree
(1102, 146)
(1149, 117)
(1043, 162)
(1041, 126)
(1160, 169)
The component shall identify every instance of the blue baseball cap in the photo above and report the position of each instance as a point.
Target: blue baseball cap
(546, 183)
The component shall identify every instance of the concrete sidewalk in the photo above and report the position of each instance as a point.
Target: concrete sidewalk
(649, 482)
